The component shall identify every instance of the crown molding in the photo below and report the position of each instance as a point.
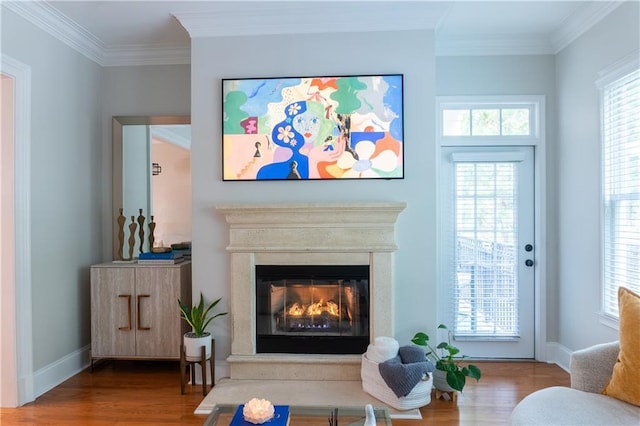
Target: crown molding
(291, 18)
(580, 22)
(266, 20)
(493, 46)
(49, 19)
(146, 55)
(569, 30)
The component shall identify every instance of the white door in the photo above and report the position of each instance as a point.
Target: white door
(488, 253)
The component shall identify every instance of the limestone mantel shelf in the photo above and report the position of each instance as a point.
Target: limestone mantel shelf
(312, 214)
(313, 207)
(316, 249)
(312, 227)
(307, 234)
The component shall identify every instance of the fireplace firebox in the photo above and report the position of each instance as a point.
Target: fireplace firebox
(312, 309)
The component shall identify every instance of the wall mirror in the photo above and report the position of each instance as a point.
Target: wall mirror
(152, 172)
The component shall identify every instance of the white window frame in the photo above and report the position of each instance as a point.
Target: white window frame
(533, 103)
(608, 76)
(537, 139)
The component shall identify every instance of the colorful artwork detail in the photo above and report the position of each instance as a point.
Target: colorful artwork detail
(348, 127)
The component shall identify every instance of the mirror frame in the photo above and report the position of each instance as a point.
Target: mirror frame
(117, 165)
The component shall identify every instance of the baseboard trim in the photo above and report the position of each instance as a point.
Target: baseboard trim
(57, 372)
(559, 354)
(223, 370)
(63, 369)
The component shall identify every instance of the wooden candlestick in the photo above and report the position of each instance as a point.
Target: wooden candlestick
(132, 236)
(152, 238)
(141, 230)
(121, 221)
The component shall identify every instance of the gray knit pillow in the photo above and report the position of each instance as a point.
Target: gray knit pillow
(409, 354)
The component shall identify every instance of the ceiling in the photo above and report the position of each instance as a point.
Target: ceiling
(151, 32)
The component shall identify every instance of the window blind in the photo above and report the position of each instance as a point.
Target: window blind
(485, 297)
(621, 188)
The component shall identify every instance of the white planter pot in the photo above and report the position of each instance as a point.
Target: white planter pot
(440, 381)
(193, 346)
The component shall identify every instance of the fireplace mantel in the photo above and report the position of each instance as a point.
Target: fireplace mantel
(306, 234)
(326, 227)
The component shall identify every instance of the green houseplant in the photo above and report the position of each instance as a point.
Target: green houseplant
(198, 317)
(446, 361)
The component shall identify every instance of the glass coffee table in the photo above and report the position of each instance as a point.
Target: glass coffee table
(222, 414)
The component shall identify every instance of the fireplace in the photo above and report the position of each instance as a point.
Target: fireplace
(312, 309)
(331, 235)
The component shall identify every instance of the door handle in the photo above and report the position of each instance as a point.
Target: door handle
(128, 297)
(140, 327)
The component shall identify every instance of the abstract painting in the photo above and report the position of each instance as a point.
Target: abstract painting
(313, 128)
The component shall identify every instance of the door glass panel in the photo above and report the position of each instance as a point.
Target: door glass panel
(486, 276)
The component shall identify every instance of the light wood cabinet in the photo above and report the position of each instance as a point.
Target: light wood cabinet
(134, 310)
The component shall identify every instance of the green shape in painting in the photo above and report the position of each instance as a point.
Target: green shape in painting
(348, 88)
(233, 114)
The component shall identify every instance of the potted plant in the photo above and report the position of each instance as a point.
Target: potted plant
(198, 317)
(446, 362)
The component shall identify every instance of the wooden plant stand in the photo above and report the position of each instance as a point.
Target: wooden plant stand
(446, 395)
(189, 368)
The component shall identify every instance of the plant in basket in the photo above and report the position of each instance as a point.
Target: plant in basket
(444, 356)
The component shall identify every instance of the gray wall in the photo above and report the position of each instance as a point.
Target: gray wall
(66, 171)
(409, 53)
(578, 165)
(515, 75)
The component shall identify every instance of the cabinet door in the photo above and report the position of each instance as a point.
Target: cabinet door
(112, 325)
(158, 331)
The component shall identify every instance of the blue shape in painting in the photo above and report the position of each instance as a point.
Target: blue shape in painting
(286, 136)
(260, 93)
(393, 98)
(365, 136)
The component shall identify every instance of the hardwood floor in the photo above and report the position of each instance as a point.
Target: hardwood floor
(142, 393)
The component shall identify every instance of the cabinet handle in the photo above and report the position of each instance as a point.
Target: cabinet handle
(128, 297)
(140, 327)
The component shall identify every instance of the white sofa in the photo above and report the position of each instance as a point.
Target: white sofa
(582, 404)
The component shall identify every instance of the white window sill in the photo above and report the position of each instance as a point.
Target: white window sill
(609, 321)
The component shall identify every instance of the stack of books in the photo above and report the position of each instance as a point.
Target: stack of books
(186, 253)
(168, 258)
(184, 248)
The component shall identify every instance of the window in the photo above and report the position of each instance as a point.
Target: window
(485, 120)
(620, 103)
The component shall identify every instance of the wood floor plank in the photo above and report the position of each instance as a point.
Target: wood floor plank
(148, 392)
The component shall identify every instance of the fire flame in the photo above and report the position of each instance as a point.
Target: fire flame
(318, 308)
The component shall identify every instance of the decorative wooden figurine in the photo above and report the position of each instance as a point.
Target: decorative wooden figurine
(141, 230)
(132, 236)
(152, 238)
(121, 221)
